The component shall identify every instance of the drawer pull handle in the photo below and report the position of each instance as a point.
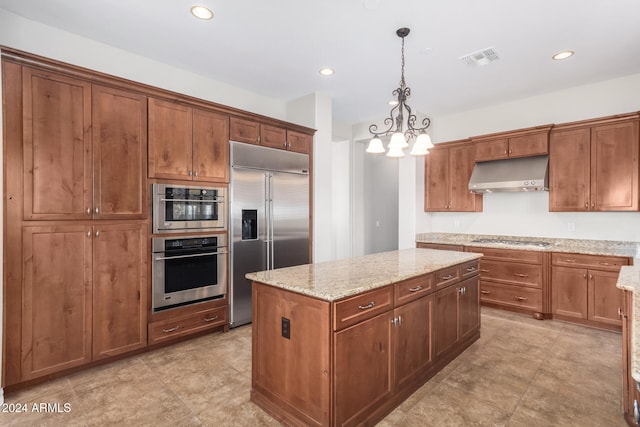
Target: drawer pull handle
(368, 306)
(485, 292)
(606, 263)
(470, 269)
(175, 328)
(569, 260)
(484, 270)
(416, 289)
(210, 319)
(521, 299)
(520, 275)
(620, 313)
(447, 277)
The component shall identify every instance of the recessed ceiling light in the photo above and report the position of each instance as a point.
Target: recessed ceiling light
(327, 71)
(563, 55)
(201, 12)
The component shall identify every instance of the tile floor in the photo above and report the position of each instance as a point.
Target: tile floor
(522, 372)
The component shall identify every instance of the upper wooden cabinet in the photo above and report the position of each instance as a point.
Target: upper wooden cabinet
(523, 143)
(593, 166)
(85, 149)
(187, 143)
(251, 132)
(448, 168)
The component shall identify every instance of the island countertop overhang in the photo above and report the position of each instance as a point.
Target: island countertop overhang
(334, 280)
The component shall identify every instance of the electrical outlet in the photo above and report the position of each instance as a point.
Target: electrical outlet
(456, 223)
(571, 226)
(286, 328)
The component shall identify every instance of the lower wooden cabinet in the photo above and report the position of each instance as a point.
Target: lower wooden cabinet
(630, 388)
(584, 289)
(350, 362)
(179, 326)
(84, 294)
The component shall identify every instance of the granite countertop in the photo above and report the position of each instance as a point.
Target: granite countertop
(629, 280)
(334, 280)
(592, 247)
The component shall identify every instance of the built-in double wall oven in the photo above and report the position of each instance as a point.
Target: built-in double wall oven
(189, 250)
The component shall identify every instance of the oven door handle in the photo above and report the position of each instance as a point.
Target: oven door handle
(162, 258)
(192, 200)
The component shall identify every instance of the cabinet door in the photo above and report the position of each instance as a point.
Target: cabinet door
(274, 137)
(119, 288)
(56, 303)
(363, 371)
(436, 180)
(492, 150)
(569, 292)
(241, 130)
(614, 167)
(445, 315)
(461, 162)
(535, 144)
(57, 146)
(413, 347)
(119, 122)
(605, 299)
(210, 146)
(170, 133)
(299, 142)
(469, 307)
(569, 170)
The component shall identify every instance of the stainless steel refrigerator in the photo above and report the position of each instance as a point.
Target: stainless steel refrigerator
(269, 217)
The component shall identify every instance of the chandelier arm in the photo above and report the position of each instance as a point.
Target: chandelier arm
(389, 121)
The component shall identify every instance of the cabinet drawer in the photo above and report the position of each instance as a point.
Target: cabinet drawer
(513, 296)
(533, 257)
(440, 246)
(171, 328)
(610, 263)
(411, 289)
(511, 273)
(446, 276)
(470, 268)
(352, 310)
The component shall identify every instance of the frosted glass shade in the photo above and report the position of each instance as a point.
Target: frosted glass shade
(398, 141)
(424, 140)
(395, 152)
(375, 146)
(419, 150)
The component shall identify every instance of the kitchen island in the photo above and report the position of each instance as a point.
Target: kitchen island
(345, 342)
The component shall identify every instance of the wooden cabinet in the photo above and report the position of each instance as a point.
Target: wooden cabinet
(584, 289)
(513, 145)
(378, 346)
(363, 369)
(251, 132)
(84, 294)
(448, 168)
(630, 388)
(119, 288)
(187, 324)
(457, 315)
(593, 166)
(85, 149)
(187, 143)
(514, 280)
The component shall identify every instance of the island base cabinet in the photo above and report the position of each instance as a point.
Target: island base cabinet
(290, 364)
(457, 316)
(363, 369)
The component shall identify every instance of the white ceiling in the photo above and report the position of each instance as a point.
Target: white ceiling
(276, 47)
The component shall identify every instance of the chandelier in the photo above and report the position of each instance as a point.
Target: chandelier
(400, 138)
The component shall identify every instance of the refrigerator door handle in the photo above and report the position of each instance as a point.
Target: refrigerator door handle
(271, 237)
(267, 220)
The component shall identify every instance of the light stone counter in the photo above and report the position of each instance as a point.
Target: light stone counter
(592, 247)
(629, 280)
(334, 280)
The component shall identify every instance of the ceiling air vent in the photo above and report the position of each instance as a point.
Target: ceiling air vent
(481, 57)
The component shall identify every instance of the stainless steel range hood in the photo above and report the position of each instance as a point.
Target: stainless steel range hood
(510, 175)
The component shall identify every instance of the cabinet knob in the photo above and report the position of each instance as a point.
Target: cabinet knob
(586, 205)
(88, 233)
(593, 205)
(98, 233)
(195, 173)
(97, 211)
(88, 211)
(190, 173)
(620, 313)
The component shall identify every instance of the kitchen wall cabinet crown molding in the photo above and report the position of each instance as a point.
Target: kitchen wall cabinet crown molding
(448, 167)
(25, 58)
